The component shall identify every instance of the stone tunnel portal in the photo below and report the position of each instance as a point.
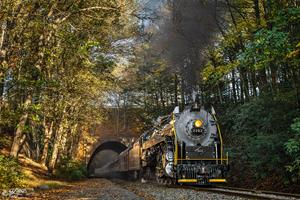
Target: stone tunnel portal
(104, 153)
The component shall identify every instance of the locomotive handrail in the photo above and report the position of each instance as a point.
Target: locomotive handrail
(220, 135)
(176, 145)
(215, 159)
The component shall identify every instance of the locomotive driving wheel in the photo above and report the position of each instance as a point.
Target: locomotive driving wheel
(161, 176)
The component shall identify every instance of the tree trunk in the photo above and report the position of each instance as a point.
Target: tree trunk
(161, 94)
(245, 83)
(2, 58)
(73, 144)
(182, 93)
(220, 94)
(253, 83)
(26, 150)
(241, 86)
(233, 86)
(57, 142)
(274, 78)
(19, 137)
(56, 147)
(48, 135)
(62, 145)
(257, 11)
(267, 12)
(6, 28)
(176, 90)
(263, 83)
(231, 13)
(156, 99)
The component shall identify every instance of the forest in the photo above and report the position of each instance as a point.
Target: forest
(66, 64)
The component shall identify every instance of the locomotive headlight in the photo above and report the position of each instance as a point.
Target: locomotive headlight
(198, 123)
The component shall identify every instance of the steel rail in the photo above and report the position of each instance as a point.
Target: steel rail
(250, 193)
(283, 194)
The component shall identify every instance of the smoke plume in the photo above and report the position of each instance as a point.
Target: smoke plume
(186, 29)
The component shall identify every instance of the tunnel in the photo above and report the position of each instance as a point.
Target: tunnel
(103, 154)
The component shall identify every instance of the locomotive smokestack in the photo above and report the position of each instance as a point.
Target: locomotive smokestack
(196, 104)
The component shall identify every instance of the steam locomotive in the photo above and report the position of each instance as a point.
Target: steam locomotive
(184, 148)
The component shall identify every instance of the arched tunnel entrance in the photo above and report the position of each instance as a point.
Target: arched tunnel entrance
(103, 154)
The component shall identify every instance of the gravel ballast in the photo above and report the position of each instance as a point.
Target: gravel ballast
(94, 189)
(151, 191)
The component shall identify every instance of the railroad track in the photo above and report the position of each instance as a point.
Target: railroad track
(254, 194)
(222, 190)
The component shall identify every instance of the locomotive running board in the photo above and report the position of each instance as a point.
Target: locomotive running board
(195, 180)
(217, 180)
(187, 181)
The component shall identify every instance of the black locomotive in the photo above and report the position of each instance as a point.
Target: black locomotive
(185, 148)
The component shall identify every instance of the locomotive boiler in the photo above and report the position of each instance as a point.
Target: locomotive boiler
(183, 148)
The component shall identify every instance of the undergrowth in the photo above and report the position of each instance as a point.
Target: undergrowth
(11, 175)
